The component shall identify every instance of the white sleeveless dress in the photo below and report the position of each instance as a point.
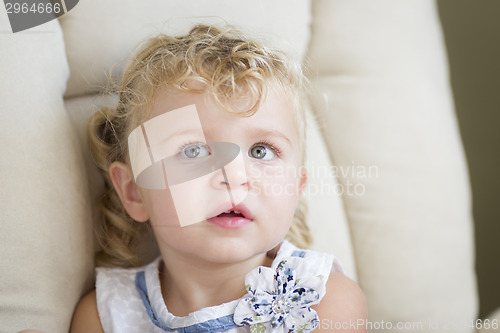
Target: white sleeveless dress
(278, 298)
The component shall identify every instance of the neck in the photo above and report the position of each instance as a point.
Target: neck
(189, 284)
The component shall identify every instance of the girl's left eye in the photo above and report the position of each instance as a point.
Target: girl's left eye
(195, 151)
(262, 152)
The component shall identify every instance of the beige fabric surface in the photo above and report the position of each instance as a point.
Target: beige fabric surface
(44, 196)
(326, 216)
(382, 98)
(382, 93)
(100, 34)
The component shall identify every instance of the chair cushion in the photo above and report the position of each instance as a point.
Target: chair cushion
(46, 255)
(101, 34)
(383, 97)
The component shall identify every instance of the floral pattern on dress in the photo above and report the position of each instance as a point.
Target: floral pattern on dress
(280, 300)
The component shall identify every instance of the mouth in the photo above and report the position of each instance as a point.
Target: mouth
(231, 213)
(232, 218)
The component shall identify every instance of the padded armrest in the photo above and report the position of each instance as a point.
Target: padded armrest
(383, 96)
(44, 198)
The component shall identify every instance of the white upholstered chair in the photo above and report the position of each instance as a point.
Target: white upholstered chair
(381, 123)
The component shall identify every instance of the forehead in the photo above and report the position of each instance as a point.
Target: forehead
(276, 111)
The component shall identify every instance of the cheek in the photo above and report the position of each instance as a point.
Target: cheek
(279, 198)
(280, 181)
(165, 222)
(161, 209)
(278, 187)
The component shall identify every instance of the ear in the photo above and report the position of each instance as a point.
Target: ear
(128, 191)
(303, 180)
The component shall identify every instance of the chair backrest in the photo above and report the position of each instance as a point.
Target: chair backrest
(382, 133)
(281, 24)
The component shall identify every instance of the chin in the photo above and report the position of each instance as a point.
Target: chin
(227, 250)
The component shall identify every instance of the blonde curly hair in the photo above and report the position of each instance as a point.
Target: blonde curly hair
(220, 61)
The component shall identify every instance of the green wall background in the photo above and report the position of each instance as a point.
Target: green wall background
(472, 32)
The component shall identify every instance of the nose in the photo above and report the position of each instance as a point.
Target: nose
(231, 174)
(235, 180)
(234, 175)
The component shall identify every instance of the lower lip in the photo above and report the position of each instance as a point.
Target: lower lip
(230, 222)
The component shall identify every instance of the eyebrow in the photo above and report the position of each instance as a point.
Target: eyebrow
(271, 132)
(183, 132)
(255, 133)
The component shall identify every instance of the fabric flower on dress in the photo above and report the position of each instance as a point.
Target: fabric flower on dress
(280, 300)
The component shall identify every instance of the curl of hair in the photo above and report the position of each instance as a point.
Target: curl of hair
(221, 62)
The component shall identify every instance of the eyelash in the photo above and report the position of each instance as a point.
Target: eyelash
(263, 142)
(191, 143)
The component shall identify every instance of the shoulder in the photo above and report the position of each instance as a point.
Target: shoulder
(342, 307)
(86, 317)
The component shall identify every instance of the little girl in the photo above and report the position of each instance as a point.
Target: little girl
(206, 146)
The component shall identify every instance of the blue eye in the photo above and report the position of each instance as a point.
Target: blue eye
(261, 152)
(195, 150)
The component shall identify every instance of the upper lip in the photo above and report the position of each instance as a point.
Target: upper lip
(241, 207)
